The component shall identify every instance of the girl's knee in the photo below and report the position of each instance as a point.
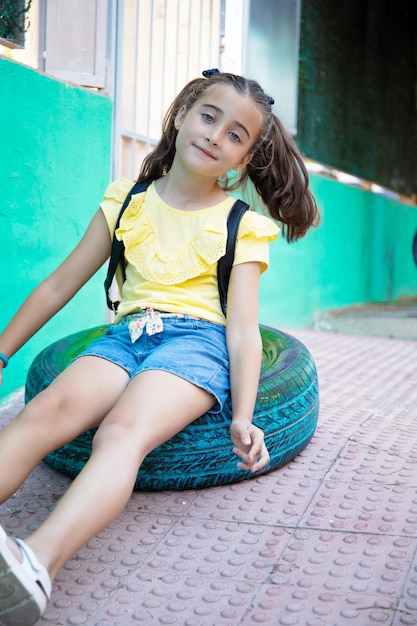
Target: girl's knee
(111, 429)
(118, 432)
(45, 408)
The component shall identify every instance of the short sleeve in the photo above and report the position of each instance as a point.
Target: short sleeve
(254, 235)
(114, 196)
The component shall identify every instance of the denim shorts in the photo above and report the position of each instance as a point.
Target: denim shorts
(191, 348)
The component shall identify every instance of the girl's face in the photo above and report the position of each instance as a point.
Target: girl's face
(216, 134)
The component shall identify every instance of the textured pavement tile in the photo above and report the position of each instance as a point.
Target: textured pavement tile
(330, 539)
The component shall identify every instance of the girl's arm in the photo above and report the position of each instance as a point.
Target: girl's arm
(56, 290)
(244, 345)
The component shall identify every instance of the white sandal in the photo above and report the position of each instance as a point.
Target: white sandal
(25, 587)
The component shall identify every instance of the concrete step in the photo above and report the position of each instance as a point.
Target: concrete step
(398, 320)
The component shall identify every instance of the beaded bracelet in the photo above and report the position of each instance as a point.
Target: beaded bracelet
(4, 358)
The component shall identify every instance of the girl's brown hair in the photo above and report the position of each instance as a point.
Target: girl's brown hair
(276, 169)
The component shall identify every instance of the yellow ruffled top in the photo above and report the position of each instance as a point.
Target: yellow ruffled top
(172, 254)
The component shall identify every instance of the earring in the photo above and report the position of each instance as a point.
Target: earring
(177, 125)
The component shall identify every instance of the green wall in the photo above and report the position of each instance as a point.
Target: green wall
(54, 165)
(360, 253)
(55, 161)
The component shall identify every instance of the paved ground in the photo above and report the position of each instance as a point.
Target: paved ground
(328, 540)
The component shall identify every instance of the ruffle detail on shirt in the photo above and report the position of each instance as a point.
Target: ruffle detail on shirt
(259, 226)
(118, 190)
(168, 267)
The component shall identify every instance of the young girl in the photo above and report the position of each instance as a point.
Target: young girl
(169, 331)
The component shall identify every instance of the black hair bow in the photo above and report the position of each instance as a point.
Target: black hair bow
(208, 73)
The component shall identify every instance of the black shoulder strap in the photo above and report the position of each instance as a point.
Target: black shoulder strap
(117, 249)
(224, 266)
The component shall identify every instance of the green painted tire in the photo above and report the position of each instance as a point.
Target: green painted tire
(201, 455)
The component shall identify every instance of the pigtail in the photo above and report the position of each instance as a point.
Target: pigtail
(276, 170)
(158, 162)
(281, 179)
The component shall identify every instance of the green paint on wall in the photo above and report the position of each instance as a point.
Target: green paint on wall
(55, 162)
(54, 165)
(361, 253)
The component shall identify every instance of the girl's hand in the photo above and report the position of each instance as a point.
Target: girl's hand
(249, 445)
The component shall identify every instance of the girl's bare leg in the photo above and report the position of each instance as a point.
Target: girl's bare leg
(155, 406)
(77, 400)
